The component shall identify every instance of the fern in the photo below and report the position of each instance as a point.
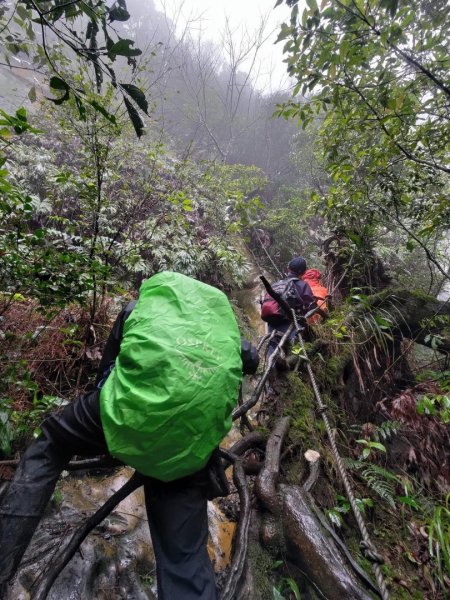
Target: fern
(380, 433)
(386, 430)
(380, 480)
(353, 464)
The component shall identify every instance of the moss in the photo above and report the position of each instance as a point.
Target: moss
(299, 404)
(332, 369)
(57, 497)
(422, 296)
(262, 565)
(397, 566)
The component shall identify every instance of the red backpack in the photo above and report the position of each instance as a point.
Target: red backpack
(271, 311)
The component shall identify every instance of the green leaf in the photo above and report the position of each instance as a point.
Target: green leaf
(312, 5)
(293, 587)
(391, 5)
(22, 12)
(408, 19)
(135, 117)
(137, 95)
(21, 114)
(408, 501)
(118, 11)
(102, 110)
(378, 446)
(124, 48)
(276, 594)
(32, 94)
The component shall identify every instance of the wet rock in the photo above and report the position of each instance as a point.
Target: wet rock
(311, 549)
(116, 561)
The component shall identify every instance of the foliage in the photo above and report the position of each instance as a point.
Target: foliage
(343, 507)
(16, 425)
(382, 481)
(86, 214)
(442, 378)
(33, 263)
(81, 29)
(289, 228)
(436, 405)
(286, 586)
(439, 541)
(430, 457)
(369, 447)
(377, 73)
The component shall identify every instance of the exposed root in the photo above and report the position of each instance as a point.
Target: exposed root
(61, 560)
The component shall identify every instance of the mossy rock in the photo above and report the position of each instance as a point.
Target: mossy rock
(262, 565)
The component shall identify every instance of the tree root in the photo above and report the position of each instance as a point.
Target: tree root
(79, 536)
(266, 484)
(255, 438)
(241, 538)
(104, 462)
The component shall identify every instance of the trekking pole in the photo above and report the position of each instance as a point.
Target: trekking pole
(243, 408)
(240, 410)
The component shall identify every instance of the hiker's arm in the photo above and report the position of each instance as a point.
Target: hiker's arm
(307, 296)
(112, 346)
(250, 357)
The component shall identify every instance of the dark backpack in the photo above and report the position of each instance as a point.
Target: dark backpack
(271, 311)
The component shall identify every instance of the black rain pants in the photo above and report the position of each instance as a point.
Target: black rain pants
(177, 511)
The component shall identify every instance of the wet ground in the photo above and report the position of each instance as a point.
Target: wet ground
(116, 560)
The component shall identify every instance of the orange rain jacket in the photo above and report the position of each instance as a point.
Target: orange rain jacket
(320, 292)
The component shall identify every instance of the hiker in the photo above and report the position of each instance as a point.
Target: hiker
(320, 293)
(295, 292)
(168, 381)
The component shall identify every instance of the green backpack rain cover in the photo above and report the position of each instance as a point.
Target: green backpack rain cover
(167, 403)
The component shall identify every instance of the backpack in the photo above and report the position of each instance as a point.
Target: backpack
(167, 403)
(271, 311)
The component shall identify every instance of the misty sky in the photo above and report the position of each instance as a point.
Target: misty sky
(208, 19)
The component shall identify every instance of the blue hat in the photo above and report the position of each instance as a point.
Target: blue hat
(297, 265)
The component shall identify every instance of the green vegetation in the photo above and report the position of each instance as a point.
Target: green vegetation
(216, 187)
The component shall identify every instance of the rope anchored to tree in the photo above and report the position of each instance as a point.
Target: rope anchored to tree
(367, 545)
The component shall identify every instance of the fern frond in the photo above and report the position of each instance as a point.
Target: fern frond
(381, 481)
(387, 429)
(353, 465)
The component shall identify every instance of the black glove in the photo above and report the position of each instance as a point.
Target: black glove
(250, 357)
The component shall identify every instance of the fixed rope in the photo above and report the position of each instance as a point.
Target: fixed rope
(367, 546)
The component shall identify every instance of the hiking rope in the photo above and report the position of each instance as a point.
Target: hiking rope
(267, 253)
(368, 548)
